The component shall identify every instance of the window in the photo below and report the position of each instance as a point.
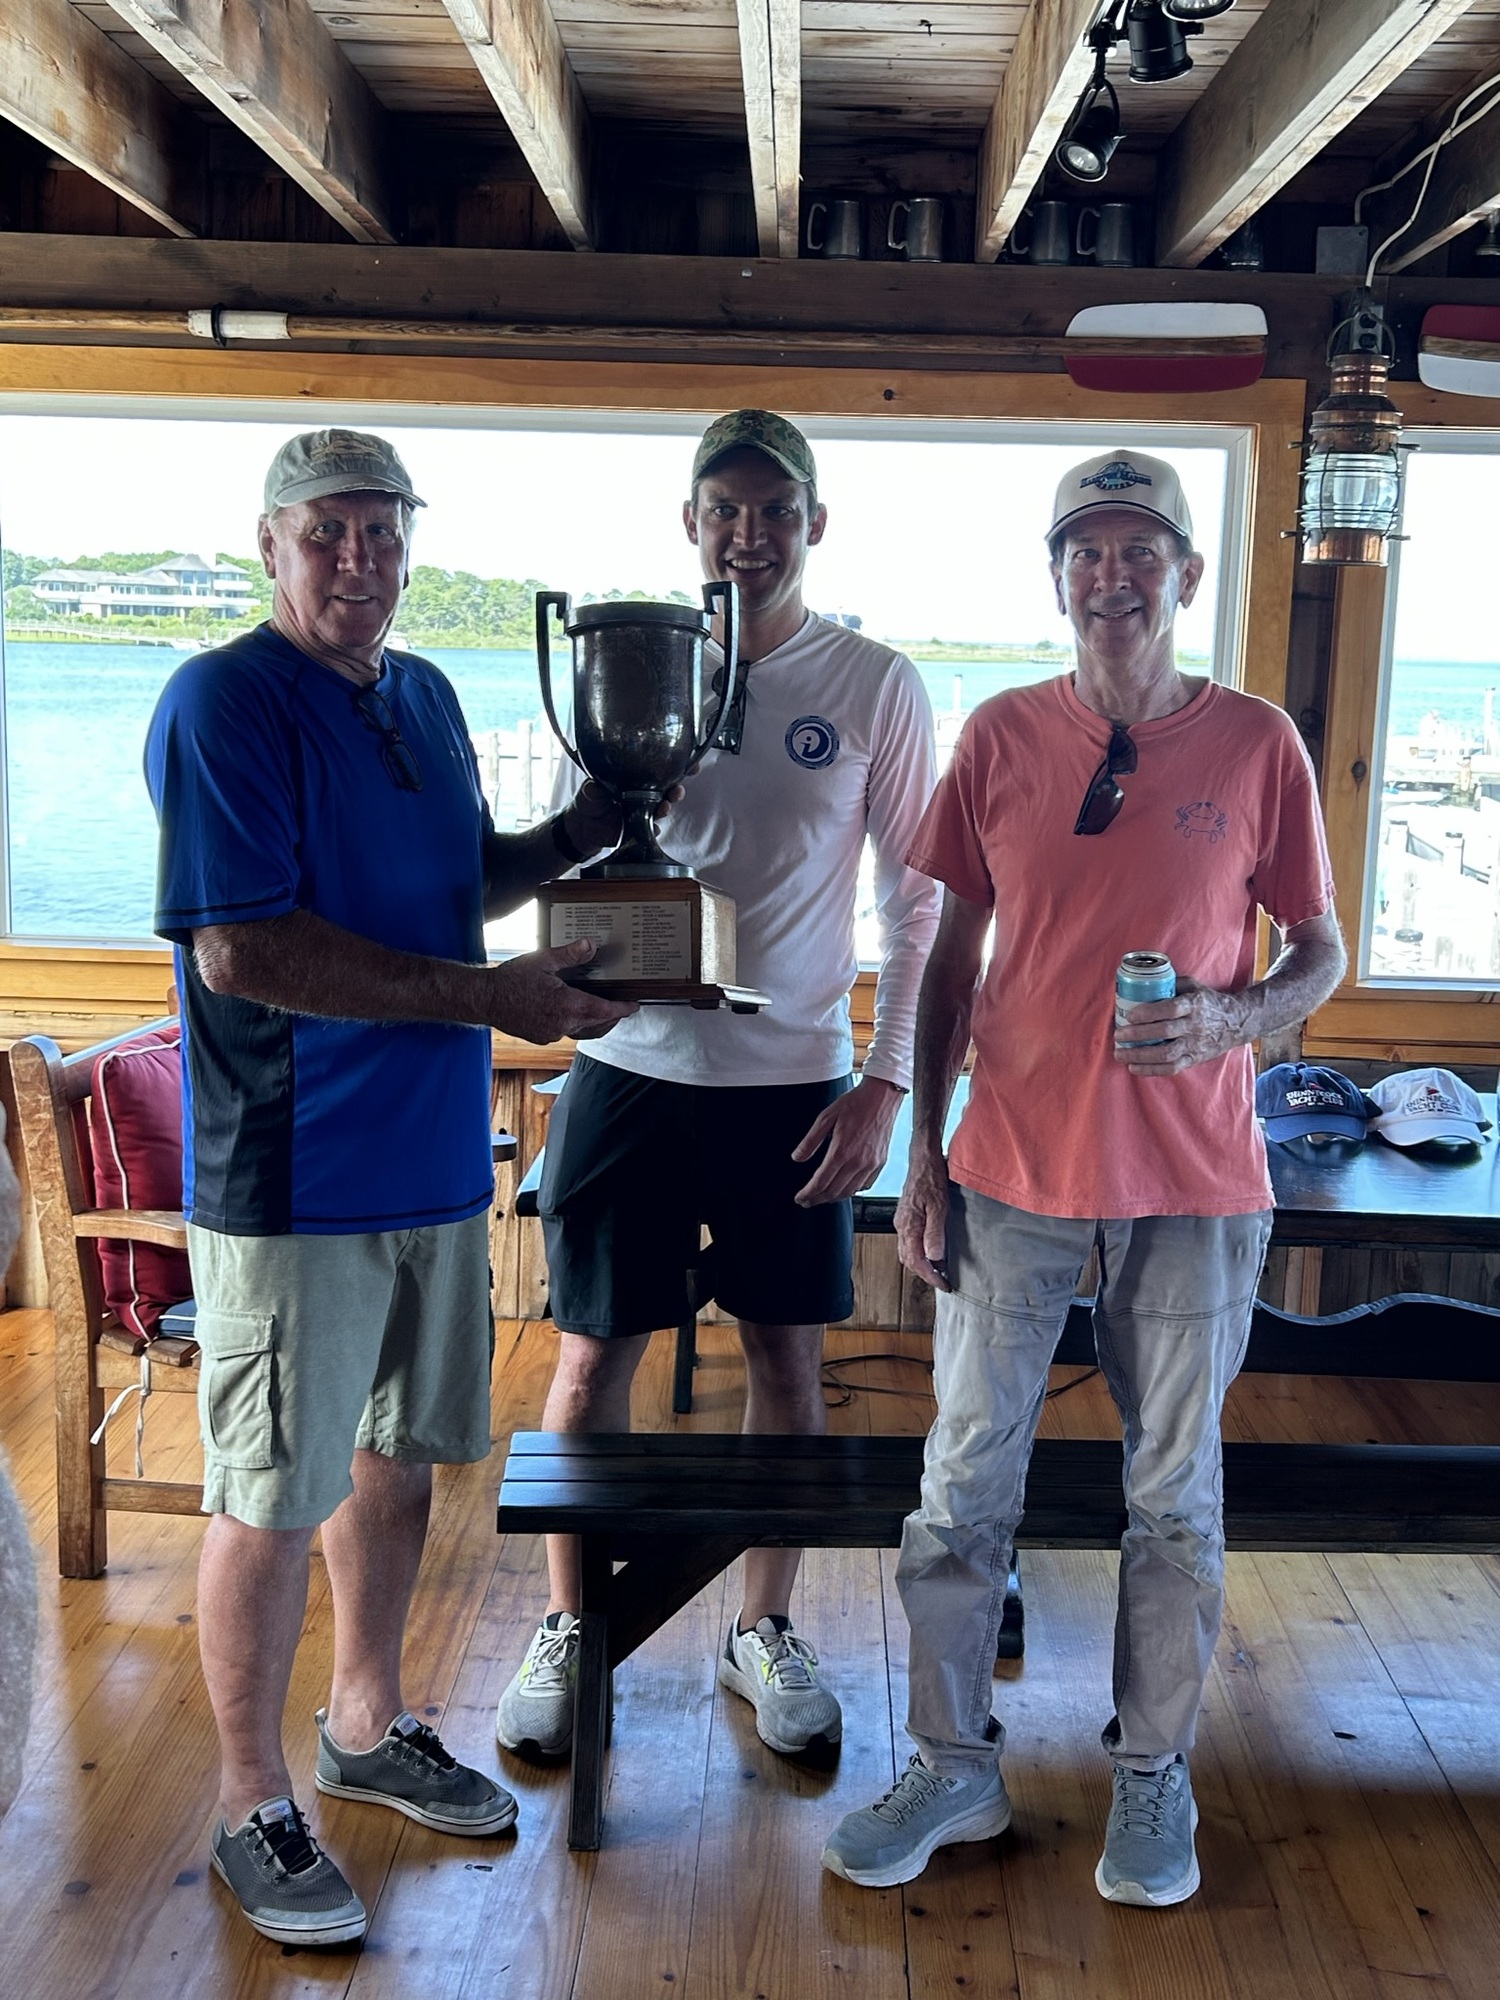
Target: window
(1431, 912)
(113, 578)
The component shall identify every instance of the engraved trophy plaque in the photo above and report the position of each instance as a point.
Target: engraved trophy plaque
(660, 934)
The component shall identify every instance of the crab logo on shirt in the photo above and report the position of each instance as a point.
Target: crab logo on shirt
(1202, 817)
(813, 742)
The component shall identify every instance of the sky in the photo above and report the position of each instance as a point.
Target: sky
(926, 539)
(1449, 497)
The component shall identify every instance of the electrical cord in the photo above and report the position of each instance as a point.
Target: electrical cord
(844, 1392)
(1457, 125)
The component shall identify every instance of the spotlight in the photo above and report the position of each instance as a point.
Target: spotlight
(1092, 134)
(1351, 483)
(1158, 46)
(1195, 10)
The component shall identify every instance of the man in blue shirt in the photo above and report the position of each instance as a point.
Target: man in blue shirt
(327, 865)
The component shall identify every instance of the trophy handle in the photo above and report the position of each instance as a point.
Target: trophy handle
(548, 601)
(726, 595)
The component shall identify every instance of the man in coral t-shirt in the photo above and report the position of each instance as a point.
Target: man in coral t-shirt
(1132, 1135)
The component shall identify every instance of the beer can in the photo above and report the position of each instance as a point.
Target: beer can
(1145, 975)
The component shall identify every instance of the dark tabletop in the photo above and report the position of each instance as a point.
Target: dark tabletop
(1372, 1193)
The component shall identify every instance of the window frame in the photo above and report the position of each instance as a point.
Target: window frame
(1384, 1019)
(1258, 425)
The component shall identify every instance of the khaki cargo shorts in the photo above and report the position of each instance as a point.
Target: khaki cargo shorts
(317, 1346)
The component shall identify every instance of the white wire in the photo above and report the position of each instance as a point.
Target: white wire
(1454, 129)
(1457, 125)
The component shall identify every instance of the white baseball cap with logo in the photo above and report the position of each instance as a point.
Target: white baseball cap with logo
(1122, 479)
(1421, 1104)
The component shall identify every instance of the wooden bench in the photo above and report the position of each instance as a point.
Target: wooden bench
(676, 1509)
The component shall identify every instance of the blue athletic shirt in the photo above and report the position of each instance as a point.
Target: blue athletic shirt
(273, 796)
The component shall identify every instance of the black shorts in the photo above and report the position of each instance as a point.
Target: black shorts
(636, 1166)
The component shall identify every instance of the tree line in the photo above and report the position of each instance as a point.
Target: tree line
(441, 607)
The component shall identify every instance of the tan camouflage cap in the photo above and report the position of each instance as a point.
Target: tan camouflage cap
(760, 430)
(318, 463)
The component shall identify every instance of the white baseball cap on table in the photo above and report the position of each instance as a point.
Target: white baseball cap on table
(1421, 1104)
(1122, 479)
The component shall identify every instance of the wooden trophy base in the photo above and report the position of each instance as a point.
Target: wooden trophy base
(665, 940)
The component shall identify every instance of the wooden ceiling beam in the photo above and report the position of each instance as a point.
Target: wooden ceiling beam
(1043, 81)
(1306, 69)
(67, 84)
(771, 62)
(276, 72)
(519, 53)
(1465, 186)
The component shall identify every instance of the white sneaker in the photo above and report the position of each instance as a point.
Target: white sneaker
(777, 1673)
(536, 1710)
(893, 1840)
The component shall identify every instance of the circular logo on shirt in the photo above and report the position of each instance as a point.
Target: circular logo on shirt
(813, 742)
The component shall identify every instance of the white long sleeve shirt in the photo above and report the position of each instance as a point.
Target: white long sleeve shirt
(837, 745)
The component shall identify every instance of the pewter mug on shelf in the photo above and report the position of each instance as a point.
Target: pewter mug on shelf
(638, 706)
(1048, 234)
(921, 233)
(843, 221)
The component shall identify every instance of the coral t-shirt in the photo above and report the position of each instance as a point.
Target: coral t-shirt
(1220, 815)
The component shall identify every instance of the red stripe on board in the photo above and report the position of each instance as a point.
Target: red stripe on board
(1157, 374)
(1462, 323)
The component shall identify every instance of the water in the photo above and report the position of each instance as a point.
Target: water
(83, 837)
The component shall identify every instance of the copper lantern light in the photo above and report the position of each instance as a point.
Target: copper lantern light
(1351, 483)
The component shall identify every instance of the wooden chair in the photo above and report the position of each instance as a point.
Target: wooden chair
(95, 1356)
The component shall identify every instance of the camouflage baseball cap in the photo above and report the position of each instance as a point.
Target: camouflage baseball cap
(759, 430)
(318, 463)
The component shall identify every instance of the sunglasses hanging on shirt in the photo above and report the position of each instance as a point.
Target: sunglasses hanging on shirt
(1104, 798)
(374, 711)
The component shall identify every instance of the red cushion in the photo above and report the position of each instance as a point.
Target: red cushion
(135, 1130)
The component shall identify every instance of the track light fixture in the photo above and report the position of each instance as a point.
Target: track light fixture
(1158, 44)
(1092, 135)
(1157, 32)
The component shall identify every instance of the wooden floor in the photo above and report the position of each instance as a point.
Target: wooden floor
(1348, 1768)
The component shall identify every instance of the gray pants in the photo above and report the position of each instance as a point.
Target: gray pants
(1171, 1324)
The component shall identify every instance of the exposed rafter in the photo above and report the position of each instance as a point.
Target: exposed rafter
(1465, 186)
(1043, 81)
(771, 62)
(66, 83)
(1305, 70)
(273, 69)
(519, 53)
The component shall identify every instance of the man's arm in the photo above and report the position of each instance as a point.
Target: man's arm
(516, 863)
(1201, 1024)
(858, 1125)
(303, 964)
(944, 1009)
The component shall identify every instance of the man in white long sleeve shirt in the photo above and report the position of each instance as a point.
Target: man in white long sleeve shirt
(752, 1125)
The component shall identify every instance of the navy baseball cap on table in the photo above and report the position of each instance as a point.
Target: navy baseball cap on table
(1297, 1100)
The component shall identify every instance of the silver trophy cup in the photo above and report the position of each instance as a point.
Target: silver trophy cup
(638, 707)
(642, 719)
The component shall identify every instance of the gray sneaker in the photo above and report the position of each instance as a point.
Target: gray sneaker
(1148, 1856)
(284, 1882)
(410, 1771)
(894, 1840)
(777, 1673)
(536, 1710)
